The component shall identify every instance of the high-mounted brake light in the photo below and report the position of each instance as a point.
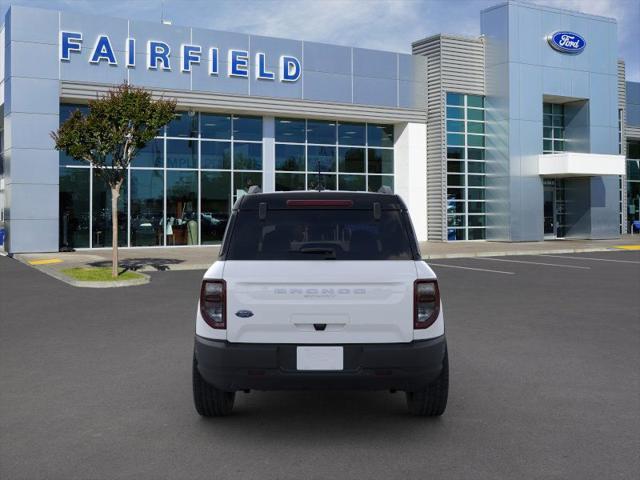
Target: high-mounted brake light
(426, 303)
(319, 203)
(213, 303)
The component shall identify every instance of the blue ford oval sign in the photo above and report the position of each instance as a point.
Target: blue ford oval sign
(244, 313)
(567, 42)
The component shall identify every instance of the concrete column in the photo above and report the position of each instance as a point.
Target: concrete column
(410, 167)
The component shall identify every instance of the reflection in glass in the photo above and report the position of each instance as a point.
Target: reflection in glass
(146, 207)
(286, 182)
(242, 181)
(215, 204)
(101, 215)
(74, 207)
(215, 155)
(351, 160)
(247, 156)
(455, 98)
(184, 124)
(182, 208)
(182, 154)
(290, 157)
(321, 182)
(290, 130)
(356, 183)
(351, 133)
(247, 128)
(380, 161)
(215, 126)
(379, 135)
(320, 131)
(151, 155)
(377, 181)
(321, 157)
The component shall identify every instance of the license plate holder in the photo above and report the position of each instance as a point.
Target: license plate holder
(320, 358)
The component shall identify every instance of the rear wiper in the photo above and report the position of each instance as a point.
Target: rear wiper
(330, 252)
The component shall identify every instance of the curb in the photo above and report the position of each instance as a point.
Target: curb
(85, 284)
(518, 252)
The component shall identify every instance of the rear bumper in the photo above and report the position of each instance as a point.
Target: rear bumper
(253, 366)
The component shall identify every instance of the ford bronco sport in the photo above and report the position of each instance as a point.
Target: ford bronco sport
(320, 290)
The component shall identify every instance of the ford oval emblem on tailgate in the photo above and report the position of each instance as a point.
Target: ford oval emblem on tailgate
(244, 313)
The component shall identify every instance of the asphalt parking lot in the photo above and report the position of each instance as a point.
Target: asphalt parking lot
(545, 383)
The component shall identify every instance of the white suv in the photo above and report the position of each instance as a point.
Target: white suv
(320, 290)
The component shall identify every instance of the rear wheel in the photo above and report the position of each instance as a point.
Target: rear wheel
(208, 400)
(431, 402)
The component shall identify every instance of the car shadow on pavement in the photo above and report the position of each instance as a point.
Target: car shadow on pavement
(159, 264)
(321, 416)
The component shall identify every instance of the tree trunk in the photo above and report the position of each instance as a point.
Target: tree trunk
(115, 193)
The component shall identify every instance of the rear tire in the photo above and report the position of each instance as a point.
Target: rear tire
(208, 400)
(431, 402)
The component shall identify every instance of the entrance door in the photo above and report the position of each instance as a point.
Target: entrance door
(554, 208)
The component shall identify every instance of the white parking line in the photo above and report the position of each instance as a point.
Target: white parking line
(591, 258)
(469, 268)
(531, 263)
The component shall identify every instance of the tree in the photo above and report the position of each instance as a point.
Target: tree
(117, 126)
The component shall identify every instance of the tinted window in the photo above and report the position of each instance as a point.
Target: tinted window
(315, 234)
(247, 128)
(290, 130)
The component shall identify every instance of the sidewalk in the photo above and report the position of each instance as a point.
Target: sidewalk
(200, 258)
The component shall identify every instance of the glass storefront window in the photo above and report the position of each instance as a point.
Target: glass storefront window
(215, 205)
(290, 130)
(465, 165)
(182, 154)
(455, 126)
(182, 207)
(356, 183)
(147, 193)
(351, 133)
(286, 182)
(247, 156)
(351, 160)
(455, 98)
(185, 124)
(380, 135)
(247, 128)
(74, 207)
(229, 166)
(66, 109)
(320, 157)
(242, 181)
(152, 155)
(378, 181)
(380, 161)
(290, 158)
(215, 126)
(320, 131)
(215, 155)
(101, 216)
(327, 182)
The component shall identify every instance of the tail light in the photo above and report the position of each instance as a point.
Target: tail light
(426, 303)
(213, 303)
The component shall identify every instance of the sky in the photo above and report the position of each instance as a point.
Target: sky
(378, 24)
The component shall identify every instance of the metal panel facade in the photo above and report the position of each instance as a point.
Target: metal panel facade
(335, 82)
(518, 79)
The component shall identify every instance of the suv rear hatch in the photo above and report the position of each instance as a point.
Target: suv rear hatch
(320, 272)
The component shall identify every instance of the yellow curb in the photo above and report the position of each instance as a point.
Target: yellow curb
(628, 247)
(47, 261)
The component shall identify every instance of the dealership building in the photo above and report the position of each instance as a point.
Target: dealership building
(525, 133)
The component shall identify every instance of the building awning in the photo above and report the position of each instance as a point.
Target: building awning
(573, 164)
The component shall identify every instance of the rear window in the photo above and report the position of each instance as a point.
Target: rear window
(313, 234)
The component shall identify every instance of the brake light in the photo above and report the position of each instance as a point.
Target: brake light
(213, 303)
(426, 303)
(319, 203)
